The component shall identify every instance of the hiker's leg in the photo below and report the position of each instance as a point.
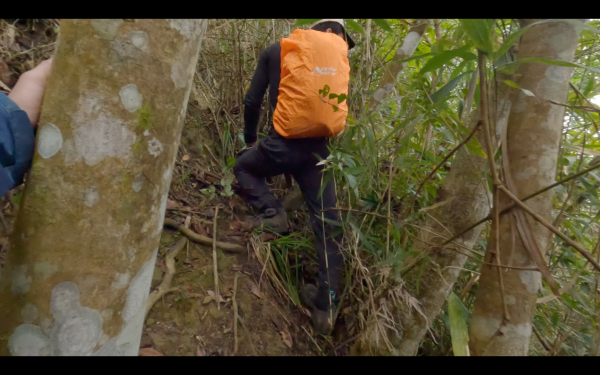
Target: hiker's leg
(331, 260)
(251, 168)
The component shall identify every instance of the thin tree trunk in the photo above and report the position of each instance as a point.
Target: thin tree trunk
(437, 273)
(409, 45)
(532, 144)
(88, 230)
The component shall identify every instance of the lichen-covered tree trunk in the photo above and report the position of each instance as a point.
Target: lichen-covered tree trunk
(408, 47)
(87, 234)
(532, 145)
(439, 270)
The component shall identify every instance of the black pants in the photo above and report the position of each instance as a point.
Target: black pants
(275, 155)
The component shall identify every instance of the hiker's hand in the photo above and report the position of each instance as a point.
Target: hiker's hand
(29, 90)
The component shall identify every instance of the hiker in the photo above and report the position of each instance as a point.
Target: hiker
(301, 128)
(19, 115)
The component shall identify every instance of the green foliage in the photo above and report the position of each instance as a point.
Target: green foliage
(458, 315)
(355, 26)
(411, 131)
(383, 24)
(479, 32)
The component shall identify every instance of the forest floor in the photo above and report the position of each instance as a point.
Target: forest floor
(188, 321)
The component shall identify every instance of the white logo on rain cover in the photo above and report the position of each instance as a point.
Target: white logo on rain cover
(324, 71)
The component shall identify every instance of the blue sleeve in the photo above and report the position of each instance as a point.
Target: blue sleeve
(17, 142)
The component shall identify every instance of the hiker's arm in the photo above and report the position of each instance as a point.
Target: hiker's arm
(16, 144)
(254, 98)
(19, 113)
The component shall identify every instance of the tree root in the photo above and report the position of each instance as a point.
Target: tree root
(193, 236)
(165, 284)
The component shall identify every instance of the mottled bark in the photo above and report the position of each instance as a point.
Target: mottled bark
(89, 225)
(408, 47)
(532, 143)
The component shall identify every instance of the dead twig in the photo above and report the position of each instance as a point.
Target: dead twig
(469, 285)
(512, 205)
(497, 183)
(562, 290)
(193, 236)
(216, 274)
(542, 221)
(165, 284)
(539, 336)
(235, 315)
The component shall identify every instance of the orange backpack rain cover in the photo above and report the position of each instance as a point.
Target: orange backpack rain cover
(310, 60)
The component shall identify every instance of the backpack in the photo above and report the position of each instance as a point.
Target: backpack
(310, 61)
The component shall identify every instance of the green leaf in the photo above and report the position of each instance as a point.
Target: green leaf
(590, 188)
(326, 178)
(332, 222)
(333, 96)
(416, 57)
(442, 58)
(371, 139)
(475, 147)
(514, 85)
(351, 181)
(320, 91)
(479, 32)
(459, 69)
(401, 126)
(458, 315)
(335, 108)
(461, 107)
(326, 90)
(362, 238)
(355, 26)
(341, 98)
(511, 84)
(355, 170)
(589, 87)
(303, 22)
(447, 88)
(508, 42)
(383, 24)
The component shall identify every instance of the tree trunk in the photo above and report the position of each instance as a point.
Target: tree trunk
(409, 45)
(530, 152)
(466, 184)
(88, 230)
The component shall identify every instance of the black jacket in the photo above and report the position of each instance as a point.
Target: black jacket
(268, 73)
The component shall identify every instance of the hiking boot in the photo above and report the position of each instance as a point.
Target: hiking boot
(272, 219)
(322, 321)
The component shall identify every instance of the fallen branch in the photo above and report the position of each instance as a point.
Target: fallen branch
(165, 285)
(193, 236)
